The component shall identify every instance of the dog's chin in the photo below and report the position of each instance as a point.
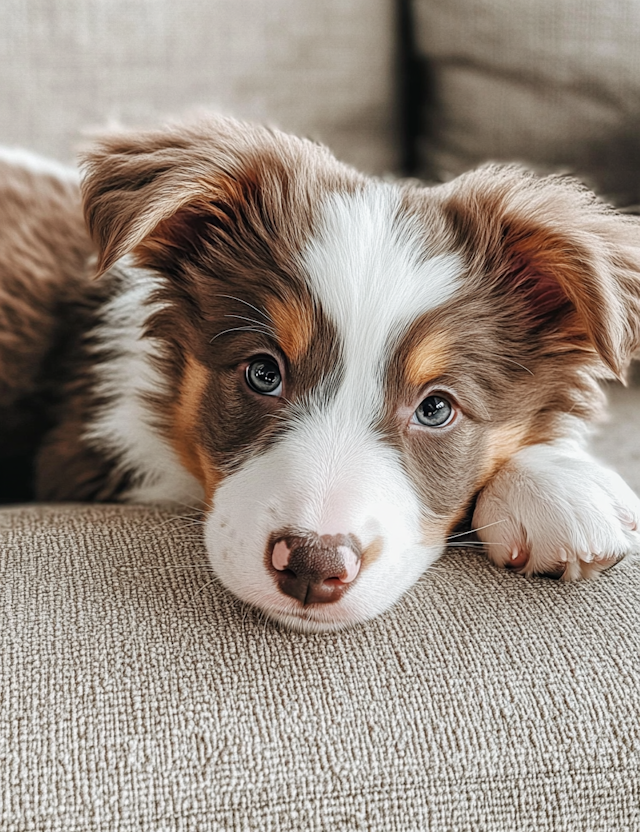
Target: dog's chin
(314, 618)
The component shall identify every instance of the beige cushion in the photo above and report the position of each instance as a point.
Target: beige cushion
(555, 83)
(136, 694)
(321, 69)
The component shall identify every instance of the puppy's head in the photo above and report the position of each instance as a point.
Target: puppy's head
(350, 361)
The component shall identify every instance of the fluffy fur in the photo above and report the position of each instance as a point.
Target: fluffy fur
(218, 242)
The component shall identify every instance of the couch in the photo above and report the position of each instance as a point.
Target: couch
(135, 692)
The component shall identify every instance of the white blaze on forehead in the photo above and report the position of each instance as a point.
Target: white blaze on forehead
(368, 264)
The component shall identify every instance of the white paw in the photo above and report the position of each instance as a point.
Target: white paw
(554, 510)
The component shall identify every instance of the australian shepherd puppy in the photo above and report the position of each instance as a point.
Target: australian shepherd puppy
(338, 369)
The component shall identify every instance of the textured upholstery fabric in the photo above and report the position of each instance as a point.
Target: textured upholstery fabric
(320, 69)
(555, 83)
(135, 694)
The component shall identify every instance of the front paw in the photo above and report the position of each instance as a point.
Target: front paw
(556, 511)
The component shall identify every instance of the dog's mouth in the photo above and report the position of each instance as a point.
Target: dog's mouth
(310, 617)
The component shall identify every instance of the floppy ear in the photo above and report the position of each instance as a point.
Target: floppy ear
(137, 183)
(573, 261)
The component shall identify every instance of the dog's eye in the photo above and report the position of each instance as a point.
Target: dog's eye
(263, 376)
(433, 412)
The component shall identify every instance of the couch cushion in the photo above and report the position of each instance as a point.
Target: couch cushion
(554, 84)
(136, 694)
(321, 69)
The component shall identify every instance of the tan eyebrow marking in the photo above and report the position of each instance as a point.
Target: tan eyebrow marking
(428, 359)
(293, 321)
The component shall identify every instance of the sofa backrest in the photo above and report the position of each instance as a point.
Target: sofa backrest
(320, 69)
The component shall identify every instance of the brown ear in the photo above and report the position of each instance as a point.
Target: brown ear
(135, 182)
(573, 259)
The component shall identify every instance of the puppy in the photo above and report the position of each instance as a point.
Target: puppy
(338, 369)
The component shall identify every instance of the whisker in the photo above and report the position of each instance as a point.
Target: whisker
(252, 321)
(187, 527)
(167, 567)
(188, 505)
(195, 542)
(240, 329)
(472, 531)
(177, 519)
(203, 587)
(213, 584)
(190, 518)
(170, 520)
(246, 303)
(194, 517)
(518, 364)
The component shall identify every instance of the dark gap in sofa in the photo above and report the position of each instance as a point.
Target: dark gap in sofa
(415, 90)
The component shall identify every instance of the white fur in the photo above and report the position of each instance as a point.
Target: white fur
(559, 507)
(125, 427)
(370, 269)
(331, 473)
(34, 163)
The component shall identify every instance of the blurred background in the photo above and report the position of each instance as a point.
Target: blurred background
(426, 88)
(323, 69)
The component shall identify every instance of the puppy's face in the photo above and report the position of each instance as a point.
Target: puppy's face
(350, 361)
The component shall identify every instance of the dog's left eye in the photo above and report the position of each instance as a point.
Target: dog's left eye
(263, 375)
(434, 412)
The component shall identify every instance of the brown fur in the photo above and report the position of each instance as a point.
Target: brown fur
(66, 467)
(214, 172)
(44, 247)
(572, 260)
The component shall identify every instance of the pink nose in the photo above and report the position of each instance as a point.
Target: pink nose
(315, 569)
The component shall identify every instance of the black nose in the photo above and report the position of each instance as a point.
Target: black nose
(315, 569)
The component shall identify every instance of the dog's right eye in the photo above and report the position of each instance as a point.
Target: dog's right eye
(264, 377)
(434, 412)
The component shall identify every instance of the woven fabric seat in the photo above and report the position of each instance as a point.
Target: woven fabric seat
(136, 694)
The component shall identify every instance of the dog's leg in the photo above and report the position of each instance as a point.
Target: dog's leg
(554, 510)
